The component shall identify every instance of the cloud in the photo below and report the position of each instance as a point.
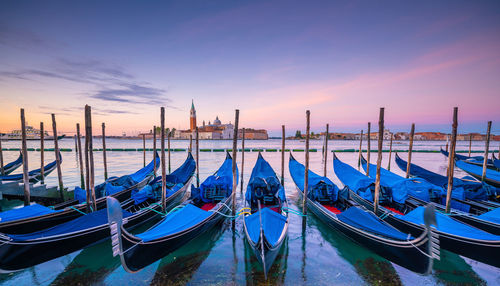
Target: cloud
(132, 93)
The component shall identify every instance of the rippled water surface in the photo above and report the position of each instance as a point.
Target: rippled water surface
(314, 255)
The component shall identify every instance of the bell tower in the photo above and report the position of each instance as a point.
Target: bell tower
(192, 117)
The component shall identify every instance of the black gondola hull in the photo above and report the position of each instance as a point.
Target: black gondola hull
(480, 250)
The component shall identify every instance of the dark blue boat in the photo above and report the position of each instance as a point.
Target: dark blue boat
(492, 176)
(363, 226)
(37, 217)
(496, 162)
(10, 167)
(19, 251)
(266, 221)
(34, 176)
(207, 207)
(453, 235)
(475, 160)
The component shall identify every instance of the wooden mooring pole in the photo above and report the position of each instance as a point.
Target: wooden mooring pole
(360, 149)
(369, 147)
(80, 156)
(190, 142)
(163, 167)
(2, 171)
(235, 153)
(410, 150)
(306, 170)
(144, 150)
(168, 146)
(42, 151)
(58, 157)
(76, 144)
(242, 157)
(451, 158)
(470, 143)
(486, 150)
(379, 159)
(197, 158)
(282, 155)
(326, 149)
(154, 151)
(90, 150)
(26, 179)
(104, 151)
(87, 167)
(390, 153)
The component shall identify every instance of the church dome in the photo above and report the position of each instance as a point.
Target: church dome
(217, 121)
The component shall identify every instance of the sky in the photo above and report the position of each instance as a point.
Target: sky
(272, 60)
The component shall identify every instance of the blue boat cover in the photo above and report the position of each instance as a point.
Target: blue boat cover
(320, 188)
(401, 187)
(153, 191)
(217, 186)
(461, 189)
(25, 212)
(369, 222)
(272, 224)
(13, 165)
(478, 170)
(18, 177)
(496, 162)
(448, 225)
(174, 222)
(359, 183)
(492, 216)
(263, 177)
(87, 221)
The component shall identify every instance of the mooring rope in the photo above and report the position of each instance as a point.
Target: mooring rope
(72, 207)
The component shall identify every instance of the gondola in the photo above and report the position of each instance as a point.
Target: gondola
(362, 226)
(207, 206)
(10, 167)
(475, 160)
(266, 222)
(19, 251)
(34, 176)
(464, 189)
(37, 217)
(488, 221)
(492, 176)
(453, 235)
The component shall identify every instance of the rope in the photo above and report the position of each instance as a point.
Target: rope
(292, 211)
(77, 210)
(384, 215)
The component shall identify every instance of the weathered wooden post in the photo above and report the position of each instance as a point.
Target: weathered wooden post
(242, 157)
(104, 152)
(360, 149)
(163, 168)
(58, 157)
(282, 155)
(379, 159)
(190, 142)
(76, 144)
(87, 166)
(390, 153)
(447, 142)
(144, 150)
(486, 150)
(470, 143)
(235, 149)
(26, 179)
(410, 150)
(306, 170)
(42, 158)
(168, 139)
(451, 158)
(369, 147)
(88, 135)
(326, 149)
(154, 151)
(197, 159)
(2, 172)
(80, 158)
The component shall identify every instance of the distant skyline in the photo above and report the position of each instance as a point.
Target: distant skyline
(272, 60)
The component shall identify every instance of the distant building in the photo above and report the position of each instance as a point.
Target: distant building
(253, 134)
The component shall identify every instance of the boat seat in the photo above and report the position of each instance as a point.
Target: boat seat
(215, 193)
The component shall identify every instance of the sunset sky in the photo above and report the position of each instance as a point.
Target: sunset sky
(270, 59)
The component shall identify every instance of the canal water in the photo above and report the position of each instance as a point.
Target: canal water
(314, 255)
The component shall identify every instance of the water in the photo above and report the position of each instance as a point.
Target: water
(315, 255)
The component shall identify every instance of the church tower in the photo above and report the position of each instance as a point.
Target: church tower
(192, 117)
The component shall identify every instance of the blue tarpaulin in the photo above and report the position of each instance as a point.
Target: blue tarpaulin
(264, 178)
(25, 212)
(448, 225)
(218, 185)
(493, 216)
(175, 222)
(84, 222)
(320, 188)
(272, 224)
(478, 170)
(366, 220)
(402, 188)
